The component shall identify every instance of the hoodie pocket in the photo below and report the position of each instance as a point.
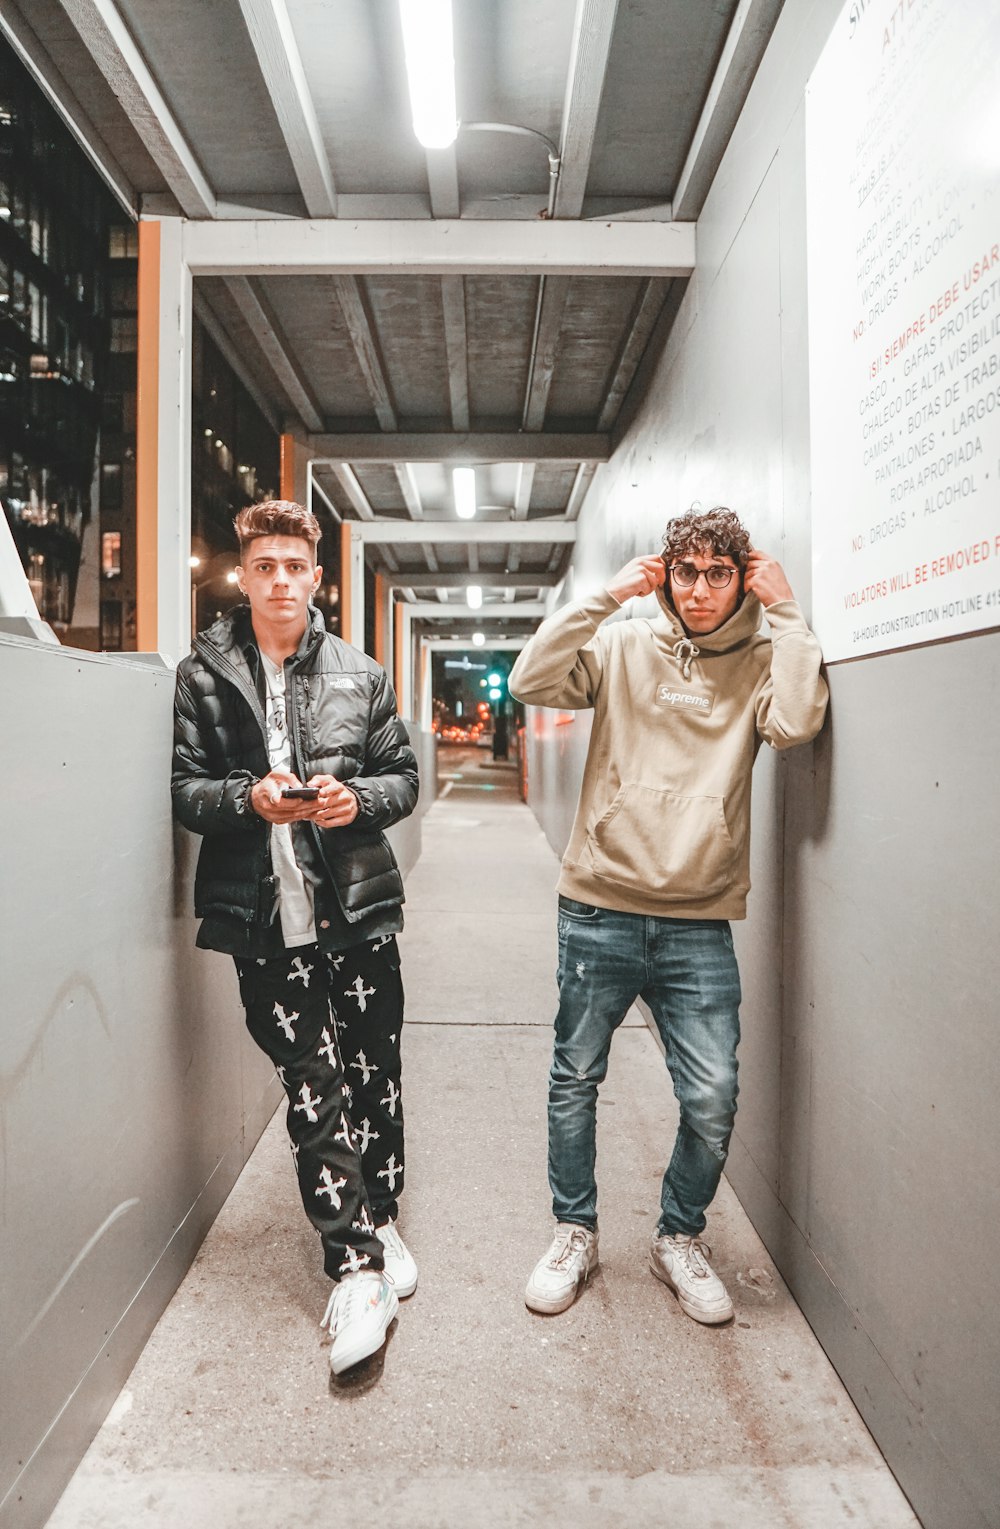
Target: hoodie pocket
(675, 846)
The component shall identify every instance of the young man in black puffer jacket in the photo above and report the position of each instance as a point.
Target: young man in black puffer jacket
(290, 760)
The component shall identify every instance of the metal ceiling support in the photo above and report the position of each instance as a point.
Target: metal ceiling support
(578, 493)
(352, 488)
(473, 552)
(116, 54)
(53, 85)
(266, 330)
(427, 610)
(552, 294)
(489, 580)
(442, 182)
(592, 32)
(361, 327)
(411, 493)
(358, 500)
(537, 532)
(206, 316)
(457, 347)
(281, 65)
(315, 487)
(473, 448)
(640, 327)
(445, 248)
(748, 36)
(522, 494)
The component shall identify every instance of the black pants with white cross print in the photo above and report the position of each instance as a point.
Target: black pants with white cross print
(331, 1025)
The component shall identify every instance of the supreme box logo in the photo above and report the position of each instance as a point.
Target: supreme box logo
(684, 700)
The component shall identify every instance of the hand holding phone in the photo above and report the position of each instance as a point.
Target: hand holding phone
(300, 793)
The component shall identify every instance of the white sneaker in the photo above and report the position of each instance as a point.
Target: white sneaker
(682, 1263)
(558, 1276)
(358, 1313)
(400, 1264)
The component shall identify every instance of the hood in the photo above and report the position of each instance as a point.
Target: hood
(743, 624)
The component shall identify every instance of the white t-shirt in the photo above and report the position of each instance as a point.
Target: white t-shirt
(295, 900)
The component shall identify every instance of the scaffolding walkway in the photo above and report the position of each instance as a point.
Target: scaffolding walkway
(620, 1411)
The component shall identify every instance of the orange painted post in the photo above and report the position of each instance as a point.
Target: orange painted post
(345, 580)
(147, 440)
(380, 620)
(286, 478)
(398, 646)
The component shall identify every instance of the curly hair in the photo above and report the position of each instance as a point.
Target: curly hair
(719, 531)
(276, 517)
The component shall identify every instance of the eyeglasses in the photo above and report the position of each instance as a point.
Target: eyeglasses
(717, 576)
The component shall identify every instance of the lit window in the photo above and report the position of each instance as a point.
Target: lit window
(111, 554)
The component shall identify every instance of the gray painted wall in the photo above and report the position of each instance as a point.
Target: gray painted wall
(865, 1150)
(130, 1092)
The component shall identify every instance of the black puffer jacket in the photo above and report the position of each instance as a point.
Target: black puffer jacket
(343, 722)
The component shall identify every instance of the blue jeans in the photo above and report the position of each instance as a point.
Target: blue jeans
(686, 971)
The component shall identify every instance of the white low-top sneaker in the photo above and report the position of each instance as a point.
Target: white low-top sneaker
(358, 1313)
(557, 1277)
(400, 1264)
(682, 1263)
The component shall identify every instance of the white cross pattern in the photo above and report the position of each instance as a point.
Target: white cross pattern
(364, 1222)
(348, 1096)
(295, 1152)
(379, 944)
(328, 1048)
(392, 1098)
(367, 1135)
(281, 1074)
(353, 1260)
(336, 962)
(344, 1134)
(326, 1186)
(285, 1021)
(391, 1172)
(300, 971)
(360, 992)
(364, 1067)
(308, 1103)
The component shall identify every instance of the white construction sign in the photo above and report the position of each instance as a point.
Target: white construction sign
(903, 218)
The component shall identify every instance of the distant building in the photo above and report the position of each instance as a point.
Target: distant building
(55, 334)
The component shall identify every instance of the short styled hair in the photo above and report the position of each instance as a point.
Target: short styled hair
(276, 517)
(718, 532)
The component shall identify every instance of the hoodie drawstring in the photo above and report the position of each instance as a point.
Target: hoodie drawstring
(684, 650)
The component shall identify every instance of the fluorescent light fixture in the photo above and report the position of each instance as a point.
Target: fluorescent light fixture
(430, 69)
(473, 596)
(478, 639)
(463, 483)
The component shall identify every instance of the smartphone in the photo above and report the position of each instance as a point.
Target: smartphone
(300, 793)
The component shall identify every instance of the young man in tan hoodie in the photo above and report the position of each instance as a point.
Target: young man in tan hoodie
(658, 863)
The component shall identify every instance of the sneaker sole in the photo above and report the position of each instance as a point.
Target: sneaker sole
(707, 1319)
(346, 1359)
(404, 1290)
(551, 1306)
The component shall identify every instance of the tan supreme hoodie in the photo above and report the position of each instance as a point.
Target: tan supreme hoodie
(663, 822)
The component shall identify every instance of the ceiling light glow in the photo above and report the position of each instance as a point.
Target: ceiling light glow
(478, 639)
(463, 483)
(473, 596)
(430, 69)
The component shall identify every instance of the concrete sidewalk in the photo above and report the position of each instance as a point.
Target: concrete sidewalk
(478, 1412)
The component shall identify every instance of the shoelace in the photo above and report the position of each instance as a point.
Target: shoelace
(576, 1242)
(695, 1255)
(684, 650)
(345, 1297)
(391, 1240)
